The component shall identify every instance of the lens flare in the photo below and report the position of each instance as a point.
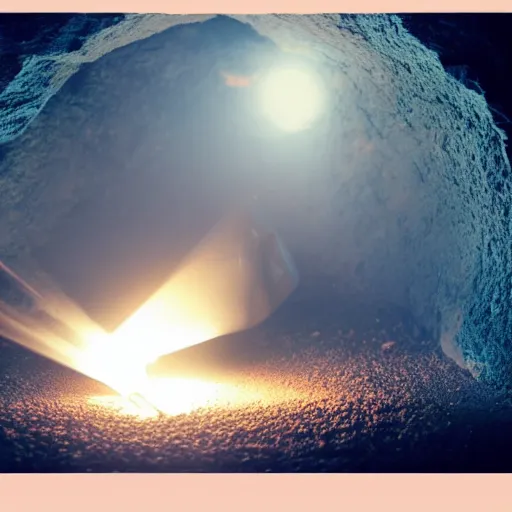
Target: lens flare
(291, 97)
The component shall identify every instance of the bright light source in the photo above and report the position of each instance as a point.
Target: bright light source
(234, 279)
(173, 397)
(292, 97)
(176, 396)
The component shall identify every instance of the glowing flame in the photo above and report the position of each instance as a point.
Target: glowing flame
(120, 359)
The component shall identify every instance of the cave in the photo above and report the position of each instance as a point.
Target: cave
(400, 193)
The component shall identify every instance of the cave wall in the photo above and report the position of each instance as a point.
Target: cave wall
(439, 242)
(41, 52)
(403, 194)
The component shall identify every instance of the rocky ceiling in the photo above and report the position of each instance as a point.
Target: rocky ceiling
(403, 194)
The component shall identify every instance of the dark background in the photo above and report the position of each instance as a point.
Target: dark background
(475, 48)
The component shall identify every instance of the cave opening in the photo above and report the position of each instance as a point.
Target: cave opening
(397, 195)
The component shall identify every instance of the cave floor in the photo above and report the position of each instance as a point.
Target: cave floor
(347, 389)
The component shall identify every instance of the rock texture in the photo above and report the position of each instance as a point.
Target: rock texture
(40, 53)
(478, 56)
(404, 193)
